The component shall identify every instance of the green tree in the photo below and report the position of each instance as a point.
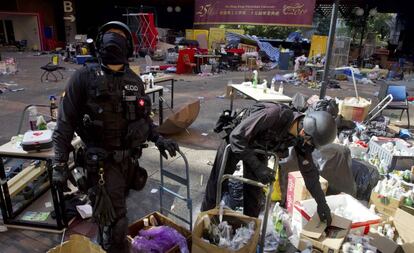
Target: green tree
(268, 31)
(379, 24)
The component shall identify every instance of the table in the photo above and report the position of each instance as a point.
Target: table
(166, 78)
(158, 89)
(258, 95)
(202, 56)
(10, 188)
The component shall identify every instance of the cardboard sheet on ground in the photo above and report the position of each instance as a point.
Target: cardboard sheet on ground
(180, 120)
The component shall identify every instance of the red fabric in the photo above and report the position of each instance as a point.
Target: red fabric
(165, 67)
(202, 51)
(181, 66)
(239, 51)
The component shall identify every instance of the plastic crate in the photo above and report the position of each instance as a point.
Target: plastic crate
(81, 59)
(394, 162)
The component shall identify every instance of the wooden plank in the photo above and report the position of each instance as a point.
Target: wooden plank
(27, 175)
(20, 175)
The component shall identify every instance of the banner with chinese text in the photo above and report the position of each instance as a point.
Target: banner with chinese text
(264, 12)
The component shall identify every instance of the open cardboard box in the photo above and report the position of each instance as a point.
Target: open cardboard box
(314, 231)
(200, 245)
(305, 209)
(296, 189)
(404, 225)
(162, 220)
(385, 205)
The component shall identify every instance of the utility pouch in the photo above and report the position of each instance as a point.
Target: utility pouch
(137, 177)
(94, 158)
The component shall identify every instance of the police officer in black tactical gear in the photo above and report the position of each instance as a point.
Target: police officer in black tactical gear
(106, 105)
(274, 128)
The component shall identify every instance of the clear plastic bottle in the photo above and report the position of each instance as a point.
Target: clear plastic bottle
(272, 85)
(151, 81)
(33, 118)
(281, 87)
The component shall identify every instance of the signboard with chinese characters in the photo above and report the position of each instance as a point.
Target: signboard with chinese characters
(264, 12)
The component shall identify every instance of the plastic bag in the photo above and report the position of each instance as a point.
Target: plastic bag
(366, 178)
(158, 240)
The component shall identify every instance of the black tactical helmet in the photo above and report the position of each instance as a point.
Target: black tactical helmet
(116, 25)
(320, 125)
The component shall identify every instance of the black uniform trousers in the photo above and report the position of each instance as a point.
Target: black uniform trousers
(115, 176)
(252, 195)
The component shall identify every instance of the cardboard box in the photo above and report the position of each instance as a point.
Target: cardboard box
(364, 219)
(201, 246)
(404, 224)
(135, 227)
(77, 243)
(385, 205)
(314, 231)
(296, 190)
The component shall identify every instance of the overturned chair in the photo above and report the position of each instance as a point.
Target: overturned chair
(52, 67)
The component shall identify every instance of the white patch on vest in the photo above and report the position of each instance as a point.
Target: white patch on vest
(129, 87)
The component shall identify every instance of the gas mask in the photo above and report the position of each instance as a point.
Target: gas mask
(114, 49)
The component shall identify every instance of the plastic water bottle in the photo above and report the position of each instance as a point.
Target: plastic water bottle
(272, 85)
(33, 118)
(151, 81)
(281, 88)
(255, 78)
(53, 108)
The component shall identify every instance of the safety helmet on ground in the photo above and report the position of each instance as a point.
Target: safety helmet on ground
(320, 125)
(116, 25)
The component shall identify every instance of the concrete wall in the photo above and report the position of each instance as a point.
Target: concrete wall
(26, 28)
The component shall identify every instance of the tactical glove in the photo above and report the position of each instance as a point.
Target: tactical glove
(260, 170)
(167, 145)
(60, 174)
(265, 174)
(324, 213)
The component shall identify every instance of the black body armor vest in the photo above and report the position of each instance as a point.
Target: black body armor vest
(117, 110)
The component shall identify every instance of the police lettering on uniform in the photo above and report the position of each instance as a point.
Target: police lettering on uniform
(106, 105)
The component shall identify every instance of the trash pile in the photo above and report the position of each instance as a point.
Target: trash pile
(379, 215)
(232, 234)
(8, 66)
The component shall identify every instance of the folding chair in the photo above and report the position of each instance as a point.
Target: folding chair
(399, 101)
(52, 67)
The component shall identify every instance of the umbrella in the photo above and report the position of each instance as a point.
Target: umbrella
(180, 120)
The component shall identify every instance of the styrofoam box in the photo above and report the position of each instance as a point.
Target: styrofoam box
(362, 218)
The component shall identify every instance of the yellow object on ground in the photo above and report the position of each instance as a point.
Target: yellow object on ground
(84, 51)
(216, 36)
(55, 60)
(189, 34)
(318, 45)
(276, 193)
